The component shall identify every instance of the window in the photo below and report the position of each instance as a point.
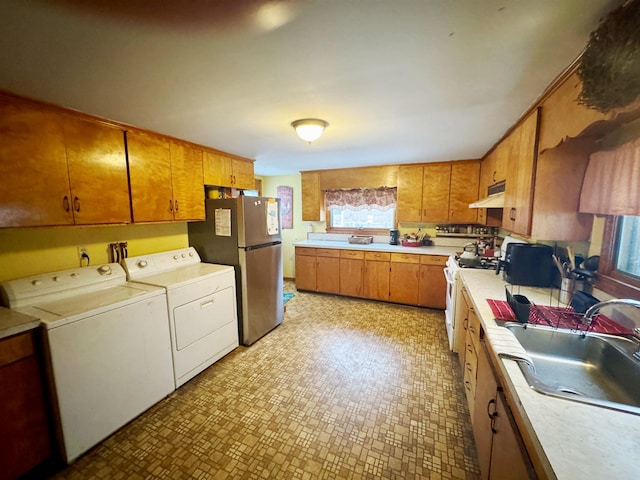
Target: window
(361, 208)
(619, 270)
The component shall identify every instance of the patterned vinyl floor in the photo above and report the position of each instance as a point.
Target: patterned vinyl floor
(343, 389)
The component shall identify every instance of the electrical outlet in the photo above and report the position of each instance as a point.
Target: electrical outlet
(83, 254)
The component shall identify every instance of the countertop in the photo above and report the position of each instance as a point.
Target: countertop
(380, 247)
(12, 322)
(574, 439)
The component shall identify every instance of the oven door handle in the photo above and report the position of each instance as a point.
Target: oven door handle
(447, 276)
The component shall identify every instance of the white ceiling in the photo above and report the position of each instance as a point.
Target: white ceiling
(399, 81)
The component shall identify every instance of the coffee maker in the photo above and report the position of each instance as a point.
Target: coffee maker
(394, 237)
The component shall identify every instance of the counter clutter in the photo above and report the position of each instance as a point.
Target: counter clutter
(571, 440)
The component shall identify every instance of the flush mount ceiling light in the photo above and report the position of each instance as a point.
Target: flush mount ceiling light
(309, 129)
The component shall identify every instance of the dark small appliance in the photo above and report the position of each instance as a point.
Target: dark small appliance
(528, 264)
(394, 237)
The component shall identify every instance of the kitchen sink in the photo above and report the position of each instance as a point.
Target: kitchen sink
(584, 367)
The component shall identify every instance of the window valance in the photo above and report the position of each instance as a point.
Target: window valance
(383, 198)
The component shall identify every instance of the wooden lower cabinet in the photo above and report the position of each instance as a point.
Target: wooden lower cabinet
(328, 270)
(351, 273)
(500, 449)
(25, 440)
(376, 275)
(433, 285)
(306, 269)
(411, 279)
(404, 278)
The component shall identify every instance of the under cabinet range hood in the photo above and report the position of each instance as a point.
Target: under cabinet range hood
(495, 198)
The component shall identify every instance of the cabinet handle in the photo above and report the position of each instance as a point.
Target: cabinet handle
(176, 204)
(512, 214)
(467, 385)
(76, 204)
(492, 415)
(468, 348)
(170, 205)
(494, 176)
(65, 203)
(465, 323)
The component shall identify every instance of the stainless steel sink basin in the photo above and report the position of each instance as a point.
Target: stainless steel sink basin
(590, 368)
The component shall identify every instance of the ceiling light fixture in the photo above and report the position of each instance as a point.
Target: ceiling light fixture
(309, 129)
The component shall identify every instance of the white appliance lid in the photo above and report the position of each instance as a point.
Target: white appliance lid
(184, 275)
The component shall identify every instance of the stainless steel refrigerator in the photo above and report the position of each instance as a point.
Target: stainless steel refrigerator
(245, 232)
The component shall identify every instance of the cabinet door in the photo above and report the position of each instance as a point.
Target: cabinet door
(187, 182)
(461, 324)
(409, 194)
(306, 272)
(97, 172)
(328, 274)
(312, 201)
(519, 186)
(465, 179)
(217, 169)
(509, 459)
(376, 275)
(24, 429)
(33, 166)
(433, 286)
(243, 176)
(435, 192)
(150, 177)
(351, 273)
(483, 411)
(404, 278)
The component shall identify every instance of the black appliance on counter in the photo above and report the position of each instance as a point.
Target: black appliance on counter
(527, 264)
(394, 237)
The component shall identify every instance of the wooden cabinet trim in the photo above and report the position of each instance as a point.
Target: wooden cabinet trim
(355, 254)
(327, 252)
(405, 258)
(380, 256)
(306, 251)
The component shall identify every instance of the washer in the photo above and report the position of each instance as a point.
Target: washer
(107, 345)
(201, 301)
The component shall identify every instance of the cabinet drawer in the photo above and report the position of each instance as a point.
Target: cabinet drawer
(381, 256)
(355, 254)
(306, 251)
(473, 329)
(433, 260)
(15, 348)
(404, 258)
(328, 252)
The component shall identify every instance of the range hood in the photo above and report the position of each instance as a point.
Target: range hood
(495, 198)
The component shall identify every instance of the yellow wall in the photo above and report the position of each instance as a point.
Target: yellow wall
(30, 251)
(299, 231)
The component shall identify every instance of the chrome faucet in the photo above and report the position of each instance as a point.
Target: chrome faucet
(592, 310)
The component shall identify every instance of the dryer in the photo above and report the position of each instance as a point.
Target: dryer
(201, 303)
(107, 346)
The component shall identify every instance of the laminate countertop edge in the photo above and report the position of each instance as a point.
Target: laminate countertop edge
(380, 247)
(12, 322)
(574, 439)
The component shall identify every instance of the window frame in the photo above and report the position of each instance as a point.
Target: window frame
(609, 279)
(358, 231)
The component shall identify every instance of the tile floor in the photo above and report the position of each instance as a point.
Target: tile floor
(343, 389)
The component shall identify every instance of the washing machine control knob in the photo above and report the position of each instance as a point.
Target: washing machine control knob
(142, 263)
(176, 257)
(104, 270)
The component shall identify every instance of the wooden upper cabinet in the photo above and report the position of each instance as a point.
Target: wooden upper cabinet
(150, 177)
(187, 182)
(436, 186)
(563, 117)
(312, 201)
(518, 200)
(409, 195)
(33, 166)
(166, 179)
(97, 172)
(243, 176)
(58, 168)
(465, 178)
(224, 171)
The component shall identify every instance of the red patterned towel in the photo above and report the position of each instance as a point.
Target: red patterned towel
(558, 317)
